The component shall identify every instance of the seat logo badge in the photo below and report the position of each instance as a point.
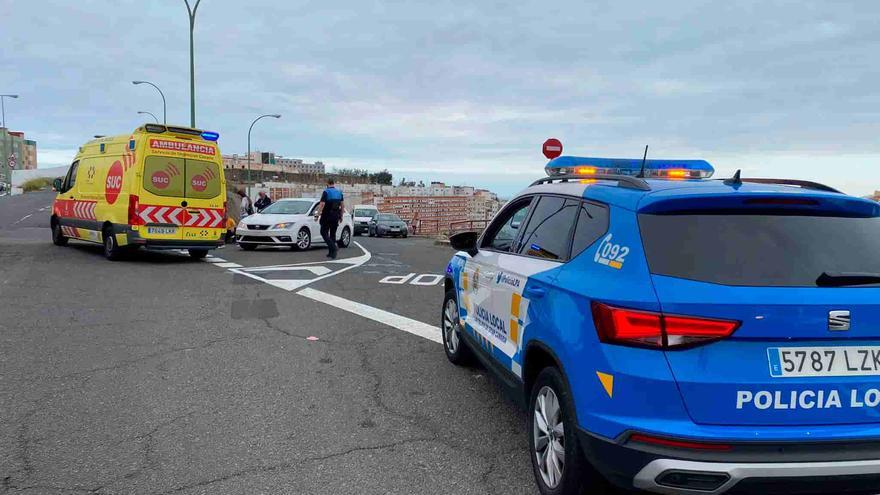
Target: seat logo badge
(838, 320)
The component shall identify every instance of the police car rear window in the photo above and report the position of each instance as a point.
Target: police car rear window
(759, 250)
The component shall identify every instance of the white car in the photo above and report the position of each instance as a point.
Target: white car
(288, 222)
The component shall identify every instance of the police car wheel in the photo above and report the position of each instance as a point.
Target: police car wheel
(112, 251)
(58, 237)
(557, 459)
(456, 350)
(345, 238)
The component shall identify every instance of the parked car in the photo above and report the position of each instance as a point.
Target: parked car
(363, 215)
(288, 222)
(386, 224)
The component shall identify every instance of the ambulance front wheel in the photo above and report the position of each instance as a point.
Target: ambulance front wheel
(58, 237)
(198, 254)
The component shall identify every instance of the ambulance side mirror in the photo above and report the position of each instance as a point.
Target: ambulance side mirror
(465, 241)
(56, 184)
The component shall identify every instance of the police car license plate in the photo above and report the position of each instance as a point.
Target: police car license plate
(162, 230)
(788, 362)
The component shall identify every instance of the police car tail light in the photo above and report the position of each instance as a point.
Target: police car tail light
(650, 329)
(627, 326)
(688, 330)
(133, 217)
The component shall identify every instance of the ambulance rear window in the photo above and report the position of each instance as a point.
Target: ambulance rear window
(202, 179)
(164, 176)
(181, 178)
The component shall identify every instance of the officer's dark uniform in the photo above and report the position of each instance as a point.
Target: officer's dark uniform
(331, 215)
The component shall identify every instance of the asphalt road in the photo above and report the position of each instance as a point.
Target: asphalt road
(160, 374)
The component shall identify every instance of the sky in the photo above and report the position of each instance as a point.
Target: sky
(465, 91)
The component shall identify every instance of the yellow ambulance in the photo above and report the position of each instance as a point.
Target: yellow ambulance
(160, 187)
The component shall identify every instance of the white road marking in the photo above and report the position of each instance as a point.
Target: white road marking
(23, 218)
(213, 259)
(293, 284)
(227, 265)
(317, 269)
(403, 323)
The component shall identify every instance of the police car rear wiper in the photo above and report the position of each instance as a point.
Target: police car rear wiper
(843, 279)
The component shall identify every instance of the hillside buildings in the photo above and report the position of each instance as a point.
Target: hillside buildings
(16, 153)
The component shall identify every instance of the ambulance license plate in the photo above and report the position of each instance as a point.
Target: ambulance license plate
(786, 362)
(162, 230)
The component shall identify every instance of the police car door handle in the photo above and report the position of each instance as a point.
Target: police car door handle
(536, 292)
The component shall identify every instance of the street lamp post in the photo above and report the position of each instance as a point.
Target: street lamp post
(274, 116)
(192, 65)
(148, 113)
(3, 107)
(164, 111)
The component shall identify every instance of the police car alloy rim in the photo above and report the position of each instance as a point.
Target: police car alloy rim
(346, 237)
(303, 239)
(549, 437)
(450, 326)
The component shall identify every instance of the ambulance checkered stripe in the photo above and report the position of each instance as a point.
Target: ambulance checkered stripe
(84, 210)
(189, 217)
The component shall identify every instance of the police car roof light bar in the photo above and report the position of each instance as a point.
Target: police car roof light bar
(626, 181)
(804, 184)
(673, 169)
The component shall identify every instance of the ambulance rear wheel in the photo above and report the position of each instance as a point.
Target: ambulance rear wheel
(58, 237)
(198, 254)
(451, 327)
(112, 251)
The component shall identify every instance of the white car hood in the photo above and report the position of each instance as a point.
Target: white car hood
(272, 219)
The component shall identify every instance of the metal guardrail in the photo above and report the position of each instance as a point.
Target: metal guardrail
(467, 225)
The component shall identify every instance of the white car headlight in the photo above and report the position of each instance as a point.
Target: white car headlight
(283, 226)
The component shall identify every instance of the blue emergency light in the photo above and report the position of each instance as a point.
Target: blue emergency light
(670, 169)
(210, 136)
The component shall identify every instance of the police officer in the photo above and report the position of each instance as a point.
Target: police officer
(330, 211)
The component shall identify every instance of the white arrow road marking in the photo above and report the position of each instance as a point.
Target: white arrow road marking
(408, 325)
(323, 269)
(399, 322)
(318, 270)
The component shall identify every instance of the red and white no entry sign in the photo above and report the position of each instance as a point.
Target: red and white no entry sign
(552, 148)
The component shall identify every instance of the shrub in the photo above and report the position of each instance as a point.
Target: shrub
(37, 184)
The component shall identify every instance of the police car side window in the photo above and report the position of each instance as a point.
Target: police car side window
(502, 233)
(592, 223)
(548, 234)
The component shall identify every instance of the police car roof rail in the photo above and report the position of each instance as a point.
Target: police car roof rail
(626, 181)
(804, 184)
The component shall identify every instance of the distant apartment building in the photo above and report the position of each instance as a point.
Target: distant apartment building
(876, 196)
(16, 153)
(269, 162)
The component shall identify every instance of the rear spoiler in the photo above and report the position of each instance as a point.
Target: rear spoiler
(803, 202)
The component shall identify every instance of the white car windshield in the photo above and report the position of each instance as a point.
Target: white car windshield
(289, 208)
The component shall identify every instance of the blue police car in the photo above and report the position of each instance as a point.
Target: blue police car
(672, 333)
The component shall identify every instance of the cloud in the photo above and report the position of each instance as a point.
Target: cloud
(453, 87)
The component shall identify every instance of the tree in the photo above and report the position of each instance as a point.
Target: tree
(383, 177)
